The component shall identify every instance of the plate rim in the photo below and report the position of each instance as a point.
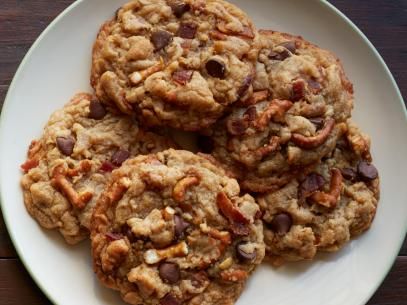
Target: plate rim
(324, 4)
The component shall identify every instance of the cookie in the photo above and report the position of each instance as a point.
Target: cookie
(175, 63)
(67, 168)
(294, 69)
(268, 144)
(172, 228)
(323, 210)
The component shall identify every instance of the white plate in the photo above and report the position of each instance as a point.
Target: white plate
(58, 65)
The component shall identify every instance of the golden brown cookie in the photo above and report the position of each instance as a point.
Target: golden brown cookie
(67, 168)
(172, 228)
(323, 210)
(175, 63)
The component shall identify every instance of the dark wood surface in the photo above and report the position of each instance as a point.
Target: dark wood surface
(21, 21)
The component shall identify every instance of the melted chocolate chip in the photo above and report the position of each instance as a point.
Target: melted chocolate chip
(65, 145)
(290, 46)
(348, 174)
(367, 171)
(314, 85)
(216, 68)
(161, 39)
(120, 156)
(169, 299)
(281, 223)
(245, 86)
(244, 256)
(179, 9)
(96, 110)
(205, 144)
(169, 272)
(318, 122)
(180, 226)
(280, 56)
(313, 182)
(187, 30)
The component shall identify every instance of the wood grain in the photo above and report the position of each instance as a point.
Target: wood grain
(21, 21)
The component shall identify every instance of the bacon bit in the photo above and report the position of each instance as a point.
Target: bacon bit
(331, 198)
(257, 97)
(182, 77)
(298, 90)
(275, 110)
(236, 275)
(228, 209)
(181, 187)
(250, 114)
(314, 141)
(216, 35)
(29, 164)
(107, 167)
(113, 236)
(240, 229)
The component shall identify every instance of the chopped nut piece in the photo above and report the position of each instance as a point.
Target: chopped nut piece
(154, 256)
(226, 264)
(114, 254)
(148, 281)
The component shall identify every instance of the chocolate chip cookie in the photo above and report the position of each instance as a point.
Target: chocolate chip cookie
(67, 168)
(172, 228)
(176, 63)
(324, 209)
(294, 69)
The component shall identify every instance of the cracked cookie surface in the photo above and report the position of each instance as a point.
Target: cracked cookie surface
(172, 228)
(67, 168)
(175, 63)
(323, 210)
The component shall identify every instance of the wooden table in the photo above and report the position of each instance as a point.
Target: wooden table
(21, 21)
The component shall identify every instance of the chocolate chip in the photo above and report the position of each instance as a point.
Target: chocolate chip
(281, 223)
(187, 30)
(313, 182)
(180, 226)
(348, 174)
(107, 167)
(318, 122)
(126, 231)
(237, 127)
(205, 144)
(367, 171)
(65, 145)
(280, 56)
(216, 68)
(245, 86)
(314, 85)
(120, 156)
(182, 77)
(160, 39)
(290, 46)
(298, 91)
(169, 299)
(244, 256)
(96, 110)
(169, 272)
(179, 9)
